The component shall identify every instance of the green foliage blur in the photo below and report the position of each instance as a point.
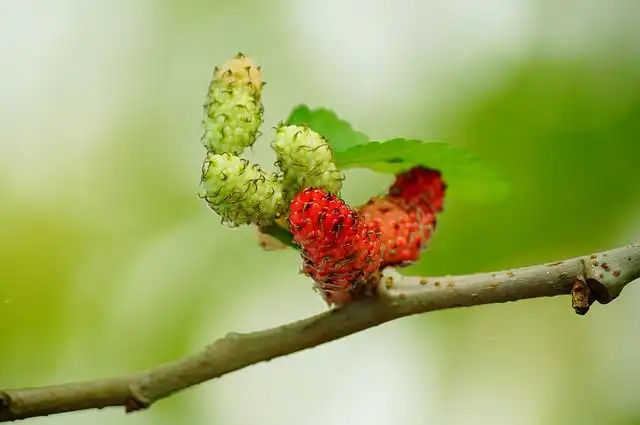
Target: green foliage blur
(110, 263)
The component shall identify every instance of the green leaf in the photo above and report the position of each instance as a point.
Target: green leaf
(465, 175)
(338, 133)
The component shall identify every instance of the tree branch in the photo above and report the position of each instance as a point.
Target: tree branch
(598, 277)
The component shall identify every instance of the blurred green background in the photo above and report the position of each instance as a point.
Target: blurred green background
(109, 262)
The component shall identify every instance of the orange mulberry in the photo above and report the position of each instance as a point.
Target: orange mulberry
(404, 229)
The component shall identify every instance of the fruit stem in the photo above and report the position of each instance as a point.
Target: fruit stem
(281, 234)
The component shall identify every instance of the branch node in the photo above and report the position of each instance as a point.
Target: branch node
(581, 296)
(605, 277)
(136, 401)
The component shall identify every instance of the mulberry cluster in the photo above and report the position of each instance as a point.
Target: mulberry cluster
(241, 192)
(343, 250)
(238, 191)
(340, 251)
(306, 160)
(233, 111)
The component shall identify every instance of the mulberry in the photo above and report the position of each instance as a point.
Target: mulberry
(422, 187)
(240, 192)
(233, 111)
(404, 229)
(306, 160)
(340, 251)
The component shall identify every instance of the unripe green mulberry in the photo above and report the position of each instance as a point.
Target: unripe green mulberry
(233, 111)
(240, 192)
(306, 160)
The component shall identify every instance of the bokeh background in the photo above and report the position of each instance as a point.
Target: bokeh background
(109, 262)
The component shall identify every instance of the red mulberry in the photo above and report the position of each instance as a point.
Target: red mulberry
(421, 187)
(340, 251)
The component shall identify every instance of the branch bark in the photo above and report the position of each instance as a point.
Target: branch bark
(598, 277)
